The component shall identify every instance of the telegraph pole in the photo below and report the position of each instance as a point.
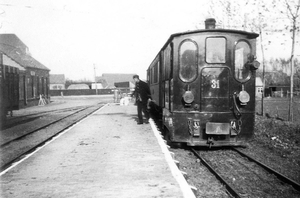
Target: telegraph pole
(95, 79)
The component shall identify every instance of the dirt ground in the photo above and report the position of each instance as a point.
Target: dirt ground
(277, 144)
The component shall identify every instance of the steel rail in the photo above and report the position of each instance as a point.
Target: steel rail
(49, 111)
(229, 188)
(10, 122)
(279, 175)
(8, 164)
(40, 128)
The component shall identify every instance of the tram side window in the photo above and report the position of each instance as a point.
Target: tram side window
(167, 63)
(148, 76)
(215, 50)
(156, 73)
(242, 51)
(188, 67)
(152, 75)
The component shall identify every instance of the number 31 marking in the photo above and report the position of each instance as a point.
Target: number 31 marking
(215, 84)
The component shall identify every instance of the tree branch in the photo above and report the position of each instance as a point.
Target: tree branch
(290, 9)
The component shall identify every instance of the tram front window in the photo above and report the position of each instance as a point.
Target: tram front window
(188, 69)
(215, 50)
(242, 52)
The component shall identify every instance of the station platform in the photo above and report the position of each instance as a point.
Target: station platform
(105, 155)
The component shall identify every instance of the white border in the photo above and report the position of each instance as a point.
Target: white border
(185, 187)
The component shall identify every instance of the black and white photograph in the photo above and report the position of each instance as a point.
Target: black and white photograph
(149, 98)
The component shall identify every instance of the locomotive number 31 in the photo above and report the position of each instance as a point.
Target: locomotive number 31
(215, 84)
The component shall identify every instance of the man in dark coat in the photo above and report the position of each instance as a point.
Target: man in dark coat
(142, 95)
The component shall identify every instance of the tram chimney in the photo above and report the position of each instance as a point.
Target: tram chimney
(210, 23)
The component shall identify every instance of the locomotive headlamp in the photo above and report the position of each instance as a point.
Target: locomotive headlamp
(244, 97)
(252, 63)
(188, 97)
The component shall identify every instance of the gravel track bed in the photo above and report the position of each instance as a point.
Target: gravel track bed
(249, 179)
(198, 175)
(276, 143)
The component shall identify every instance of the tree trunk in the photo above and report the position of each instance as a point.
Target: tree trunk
(291, 113)
(263, 74)
(294, 18)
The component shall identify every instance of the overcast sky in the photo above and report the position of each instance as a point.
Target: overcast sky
(118, 36)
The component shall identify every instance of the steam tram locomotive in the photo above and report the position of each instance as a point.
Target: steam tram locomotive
(204, 83)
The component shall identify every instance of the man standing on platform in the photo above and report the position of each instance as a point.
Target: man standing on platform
(142, 95)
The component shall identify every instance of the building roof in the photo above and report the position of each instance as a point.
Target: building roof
(100, 79)
(79, 86)
(112, 78)
(13, 40)
(9, 62)
(124, 84)
(13, 47)
(57, 79)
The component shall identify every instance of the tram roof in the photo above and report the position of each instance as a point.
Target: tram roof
(250, 35)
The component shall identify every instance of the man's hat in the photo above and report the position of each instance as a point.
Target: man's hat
(136, 76)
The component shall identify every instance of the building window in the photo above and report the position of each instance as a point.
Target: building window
(259, 89)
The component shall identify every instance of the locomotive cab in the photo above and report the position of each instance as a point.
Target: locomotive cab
(204, 82)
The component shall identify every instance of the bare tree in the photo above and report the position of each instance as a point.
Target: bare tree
(293, 14)
(251, 15)
(263, 17)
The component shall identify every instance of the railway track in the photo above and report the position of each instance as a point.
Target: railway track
(16, 148)
(272, 171)
(10, 122)
(39, 128)
(243, 178)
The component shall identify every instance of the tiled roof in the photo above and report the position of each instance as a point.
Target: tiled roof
(100, 79)
(112, 78)
(124, 84)
(79, 86)
(13, 47)
(57, 79)
(13, 40)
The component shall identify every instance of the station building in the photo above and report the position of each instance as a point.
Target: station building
(57, 81)
(33, 76)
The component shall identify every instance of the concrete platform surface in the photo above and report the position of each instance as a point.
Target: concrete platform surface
(105, 155)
